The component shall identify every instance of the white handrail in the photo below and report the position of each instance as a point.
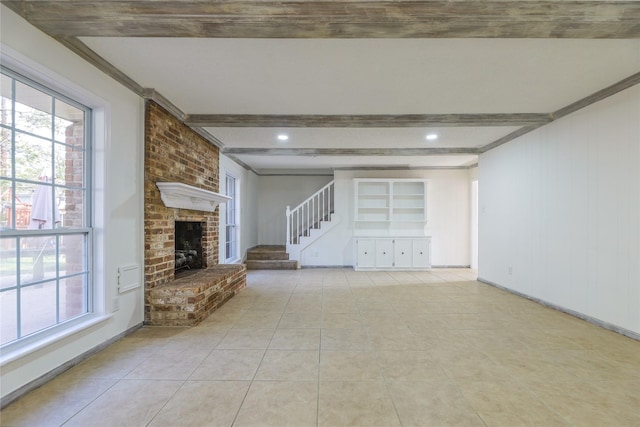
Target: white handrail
(309, 214)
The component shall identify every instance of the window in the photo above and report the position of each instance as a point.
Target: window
(232, 221)
(45, 280)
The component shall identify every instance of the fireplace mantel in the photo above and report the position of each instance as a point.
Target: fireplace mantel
(183, 196)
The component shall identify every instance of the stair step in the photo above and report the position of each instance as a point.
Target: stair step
(270, 257)
(272, 265)
(268, 252)
(269, 248)
(267, 255)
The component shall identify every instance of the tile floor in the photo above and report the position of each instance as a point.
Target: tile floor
(334, 347)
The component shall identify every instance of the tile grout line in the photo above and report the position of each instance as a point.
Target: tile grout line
(244, 398)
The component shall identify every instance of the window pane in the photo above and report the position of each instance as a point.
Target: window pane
(8, 316)
(35, 206)
(33, 110)
(5, 152)
(231, 230)
(33, 158)
(5, 100)
(8, 263)
(230, 205)
(73, 297)
(69, 124)
(45, 213)
(73, 249)
(37, 259)
(69, 166)
(37, 307)
(72, 208)
(6, 202)
(22, 204)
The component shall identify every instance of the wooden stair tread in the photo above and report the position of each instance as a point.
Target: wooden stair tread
(269, 257)
(272, 265)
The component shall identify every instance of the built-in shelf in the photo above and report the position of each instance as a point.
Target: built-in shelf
(184, 196)
(392, 207)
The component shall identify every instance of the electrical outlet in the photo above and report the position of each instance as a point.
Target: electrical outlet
(510, 270)
(116, 304)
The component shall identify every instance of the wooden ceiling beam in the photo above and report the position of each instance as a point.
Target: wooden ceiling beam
(334, 18)
(433, 151)
(365, 121)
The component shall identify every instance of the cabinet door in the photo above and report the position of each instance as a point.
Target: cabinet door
(366, 253)
(403, 253)
(421, 253)
(384, 253)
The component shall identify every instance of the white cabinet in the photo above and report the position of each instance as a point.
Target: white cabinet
(390, 207)
(384, 253)
(393, 253)
(403, 253)
(422, 253)
(366, 253)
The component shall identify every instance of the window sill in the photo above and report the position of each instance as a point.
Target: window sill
(28, 348)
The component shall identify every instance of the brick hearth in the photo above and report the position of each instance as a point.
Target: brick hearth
(189, 300)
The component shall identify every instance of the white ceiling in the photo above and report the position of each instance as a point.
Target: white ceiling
(370, 76)
(367, 76)
(359, 138)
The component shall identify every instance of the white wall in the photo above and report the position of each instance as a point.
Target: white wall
(448, 214)
(274, 194)
(561, 207)
(474, 224)
(119, 194)
(248, 193)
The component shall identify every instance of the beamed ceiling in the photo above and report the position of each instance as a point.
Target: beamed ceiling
(356, 84)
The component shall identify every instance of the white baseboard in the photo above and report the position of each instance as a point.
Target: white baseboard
(592, 320)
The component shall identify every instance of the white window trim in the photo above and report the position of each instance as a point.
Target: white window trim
(98, 188)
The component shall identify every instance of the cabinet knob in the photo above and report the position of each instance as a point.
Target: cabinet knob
(384, 253)
(420, 253)
(365, 253)
(402, 253)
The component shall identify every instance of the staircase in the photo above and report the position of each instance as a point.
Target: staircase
(270, 257)
(310, 220)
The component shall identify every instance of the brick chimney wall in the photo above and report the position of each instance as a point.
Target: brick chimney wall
(174, 153)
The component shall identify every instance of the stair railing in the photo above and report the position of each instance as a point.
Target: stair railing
(308, 214)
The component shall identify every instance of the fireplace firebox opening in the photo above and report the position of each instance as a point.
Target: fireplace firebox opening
(188, 246)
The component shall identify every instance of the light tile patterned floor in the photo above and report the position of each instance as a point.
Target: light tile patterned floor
(335, 347)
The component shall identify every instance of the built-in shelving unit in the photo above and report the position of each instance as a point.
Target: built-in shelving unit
(390, 220)
(390, 207)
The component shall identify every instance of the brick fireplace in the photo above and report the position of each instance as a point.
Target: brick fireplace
(175, 153)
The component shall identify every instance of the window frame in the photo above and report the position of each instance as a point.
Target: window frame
(93, 310)
(234, 203)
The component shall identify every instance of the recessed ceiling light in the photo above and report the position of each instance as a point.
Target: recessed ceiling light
(432, 136)
(283, 137)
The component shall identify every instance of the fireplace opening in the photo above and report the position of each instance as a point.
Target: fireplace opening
(188, 246)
